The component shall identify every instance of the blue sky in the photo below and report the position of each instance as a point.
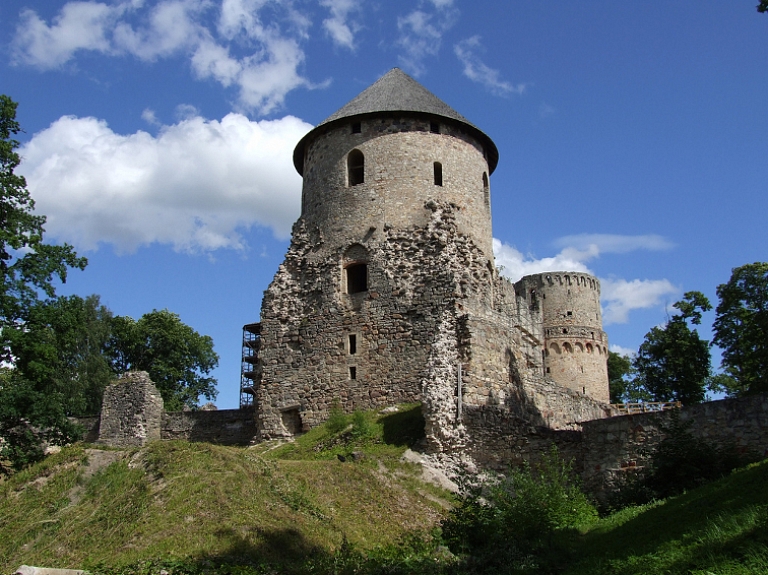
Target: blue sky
(159, 135)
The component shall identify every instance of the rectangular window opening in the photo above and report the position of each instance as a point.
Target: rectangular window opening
(434, 127)
(352, 344)
(357, 278)
(352, 372)
(357, 127)
(438, 174)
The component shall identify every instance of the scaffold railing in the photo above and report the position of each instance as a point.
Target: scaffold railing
(250, 370)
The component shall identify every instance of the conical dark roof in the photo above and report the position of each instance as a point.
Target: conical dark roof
(396, 91)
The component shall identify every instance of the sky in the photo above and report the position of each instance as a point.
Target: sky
(158, 139)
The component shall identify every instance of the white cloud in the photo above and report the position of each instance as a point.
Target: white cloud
(339, 26)
(622, 296)
(616, 244)
(260, 60)
(516, 265)
(421, 33)
(171, 27)
(477, 71)
(619, 296)
(78, 26)
(195, 186)
(625, 351)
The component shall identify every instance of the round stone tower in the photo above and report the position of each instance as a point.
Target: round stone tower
(378, 160)
(575, 345)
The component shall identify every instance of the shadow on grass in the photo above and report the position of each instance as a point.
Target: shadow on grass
(404, 427)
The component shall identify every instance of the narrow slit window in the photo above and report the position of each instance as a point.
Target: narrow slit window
(352, 372)
(357, 278)
(352, 344)
(438, 174)
(355, 168)
(486, 191)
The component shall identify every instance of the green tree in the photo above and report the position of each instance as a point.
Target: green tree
(762, 6)
(741, 328)
(177, 358)
(619, 369)
(27, 265)
(61, 350)
(673, 362)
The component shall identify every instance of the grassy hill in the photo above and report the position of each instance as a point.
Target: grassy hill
(200, 508)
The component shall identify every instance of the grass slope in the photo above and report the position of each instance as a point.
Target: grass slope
(205, 509)
(222, 504)
(720, 528)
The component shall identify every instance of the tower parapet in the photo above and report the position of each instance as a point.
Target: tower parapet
(575, 345)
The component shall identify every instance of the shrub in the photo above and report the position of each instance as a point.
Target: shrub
(525, 508)
(337, 420)
(362, 426)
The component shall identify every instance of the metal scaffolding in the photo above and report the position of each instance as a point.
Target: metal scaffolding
(250, 371)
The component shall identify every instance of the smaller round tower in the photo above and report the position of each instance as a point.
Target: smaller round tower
(575, 345)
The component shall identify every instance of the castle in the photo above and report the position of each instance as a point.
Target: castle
(389, 292)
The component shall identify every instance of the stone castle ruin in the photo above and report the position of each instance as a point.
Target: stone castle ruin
(389, 292)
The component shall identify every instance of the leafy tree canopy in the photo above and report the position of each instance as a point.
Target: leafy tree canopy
(673, 362)
(763, 6)
(740, 329)
(177, 358)
(619, 368)
(27, 265)
(61, 351)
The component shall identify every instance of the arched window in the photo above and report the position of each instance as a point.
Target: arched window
(567, 348)
(438, 174)
(355, 168)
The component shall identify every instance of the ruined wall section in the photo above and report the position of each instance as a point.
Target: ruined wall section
(415, 276)
(620, 446)
(131, 411)
(575, 345)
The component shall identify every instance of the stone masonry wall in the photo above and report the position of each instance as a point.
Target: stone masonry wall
(414, 275)
(619, 445)
(131, 411)
(225, 426)
(399, 152)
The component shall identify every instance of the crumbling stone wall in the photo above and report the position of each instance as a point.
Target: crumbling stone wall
(131, 411)
(613, 447)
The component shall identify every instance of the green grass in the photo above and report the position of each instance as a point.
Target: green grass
(295, 508)
(177, 501)
(719, 528)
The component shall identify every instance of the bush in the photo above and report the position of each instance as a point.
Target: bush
(337, 420)
(362, 426)
(525, 508)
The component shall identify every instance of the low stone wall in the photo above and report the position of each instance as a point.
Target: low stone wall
(613, 447)
(226, 427)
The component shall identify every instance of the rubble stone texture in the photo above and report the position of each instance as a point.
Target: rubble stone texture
(389, 291)
(131, 411)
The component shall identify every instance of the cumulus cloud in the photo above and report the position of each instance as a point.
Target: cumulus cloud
(339, 26)
(421, 32)
(619, 296)
(477, 71)
(196, 185)
(262, 60)
(78, 26)
(625, 351)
